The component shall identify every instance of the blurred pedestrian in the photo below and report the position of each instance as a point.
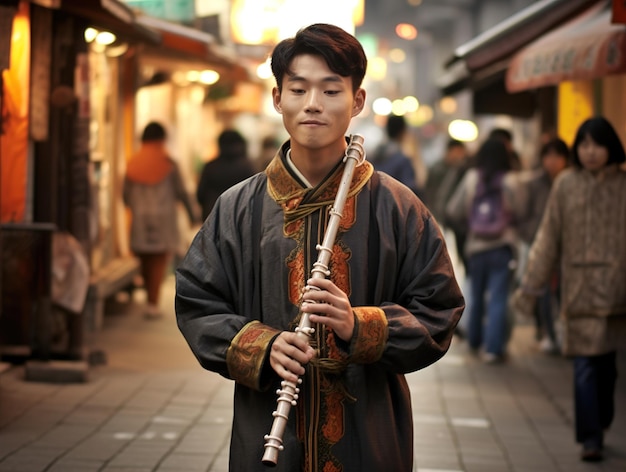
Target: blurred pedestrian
(443, 178)
(554, 158)
(153, 187)
(230, 167)
(388, 305)
(506, 136)
(390, 158)
(269, 145)
(488, 201)
(583, 230)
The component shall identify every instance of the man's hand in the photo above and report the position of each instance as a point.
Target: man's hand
(331, 307)
(289, 353)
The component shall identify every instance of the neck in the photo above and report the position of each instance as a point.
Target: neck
(315, 164)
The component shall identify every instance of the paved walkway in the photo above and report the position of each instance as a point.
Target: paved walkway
(152, 408)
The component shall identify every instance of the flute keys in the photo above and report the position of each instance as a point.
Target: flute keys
(280, 446)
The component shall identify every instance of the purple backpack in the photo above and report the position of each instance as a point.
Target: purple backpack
(488, 216)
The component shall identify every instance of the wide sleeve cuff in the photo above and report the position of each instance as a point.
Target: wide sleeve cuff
(371, 335)
(247, 353)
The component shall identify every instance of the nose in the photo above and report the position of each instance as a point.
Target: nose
(313, 102)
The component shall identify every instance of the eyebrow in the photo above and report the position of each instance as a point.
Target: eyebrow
(298, 78)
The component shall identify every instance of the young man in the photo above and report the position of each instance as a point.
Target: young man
(390, 302)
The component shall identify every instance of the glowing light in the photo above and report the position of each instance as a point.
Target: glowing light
(448, 105)
(264, 70)
(406, 31)
(397, 107)
(463, 130)
(377, 69)
(105, 38)
(382, 106)
(193, 76)
(208, 77)
(424, 114)
(397, 55)
(90, 34)
(411, 104)
(269, 21)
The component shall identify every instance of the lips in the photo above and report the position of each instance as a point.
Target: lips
(312, 122)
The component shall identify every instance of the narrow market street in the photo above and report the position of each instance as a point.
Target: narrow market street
(152, 408)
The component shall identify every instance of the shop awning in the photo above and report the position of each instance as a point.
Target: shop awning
(508, 36)
(484, 59)
(185, 47)
(587, 47)
(112, 15)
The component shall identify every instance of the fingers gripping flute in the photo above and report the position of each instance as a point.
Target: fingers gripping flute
(288, 393)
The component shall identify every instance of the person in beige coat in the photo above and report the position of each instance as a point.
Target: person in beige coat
(584, 229)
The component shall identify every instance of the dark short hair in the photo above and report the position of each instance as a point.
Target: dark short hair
(493, 157)
(342, 52)
(452, 143)
(603, 133)
(555, 145)
(153, 132)
(501, 133)
(232, 144)
(396, 125)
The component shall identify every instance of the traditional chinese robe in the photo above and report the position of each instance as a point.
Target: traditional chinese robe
(240, 286)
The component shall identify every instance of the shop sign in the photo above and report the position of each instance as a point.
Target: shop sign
(171, 10)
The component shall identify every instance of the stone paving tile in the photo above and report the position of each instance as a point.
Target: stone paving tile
(75, 465)
(188, 462)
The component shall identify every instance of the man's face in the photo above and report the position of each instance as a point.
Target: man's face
(317, 104)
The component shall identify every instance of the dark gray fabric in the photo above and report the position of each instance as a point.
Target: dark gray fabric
(414, 285)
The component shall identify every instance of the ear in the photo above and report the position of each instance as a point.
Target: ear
(276, 100)
(359, 102)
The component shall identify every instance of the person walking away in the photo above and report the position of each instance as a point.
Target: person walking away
(230, 167)
(388, 306)
(554, 156)
(488, 201)
(443, 178)
(269, 145)
(583, 231)
(152, 190)
(391, 159)
(506, 136)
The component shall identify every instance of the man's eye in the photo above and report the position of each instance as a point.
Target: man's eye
(332, 92)
(297, 91)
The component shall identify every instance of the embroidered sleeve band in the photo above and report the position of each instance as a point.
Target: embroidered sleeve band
(371, 335)
(247, 353)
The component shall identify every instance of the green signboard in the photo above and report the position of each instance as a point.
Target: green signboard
(171, 10)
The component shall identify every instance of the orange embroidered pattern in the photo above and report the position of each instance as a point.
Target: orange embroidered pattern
(244, 364)
(372, 335)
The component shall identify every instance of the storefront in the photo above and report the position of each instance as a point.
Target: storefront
(585, 59)
(59, 126)
(481, 65)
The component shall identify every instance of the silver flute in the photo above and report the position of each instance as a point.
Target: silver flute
(288, 393)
